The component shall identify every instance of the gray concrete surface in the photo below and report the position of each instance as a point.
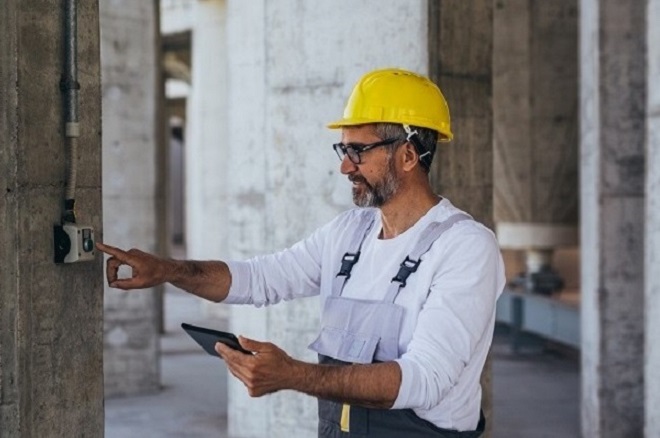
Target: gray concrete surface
(193, 397)
(130, 187)
(652, 230)
(536, 392)
(51, 381)
(613, 84)
(535, 127)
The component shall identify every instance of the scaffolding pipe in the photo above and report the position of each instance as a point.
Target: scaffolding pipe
(71, 87)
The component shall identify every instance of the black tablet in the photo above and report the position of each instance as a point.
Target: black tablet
(207, 338)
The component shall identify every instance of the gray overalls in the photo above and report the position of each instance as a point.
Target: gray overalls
(366, 331)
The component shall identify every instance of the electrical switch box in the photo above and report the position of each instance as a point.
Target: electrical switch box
(73, 243)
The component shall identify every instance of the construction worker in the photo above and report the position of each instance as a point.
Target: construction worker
(408, 282)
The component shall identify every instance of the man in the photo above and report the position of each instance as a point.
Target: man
(408, 282)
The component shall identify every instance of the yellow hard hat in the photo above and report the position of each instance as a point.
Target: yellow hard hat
(397, 96)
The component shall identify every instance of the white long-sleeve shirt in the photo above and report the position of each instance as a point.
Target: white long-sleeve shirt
(449, 302)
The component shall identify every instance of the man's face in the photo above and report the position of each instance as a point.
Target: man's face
(375, 179)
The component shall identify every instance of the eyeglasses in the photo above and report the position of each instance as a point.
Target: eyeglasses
(354, 150)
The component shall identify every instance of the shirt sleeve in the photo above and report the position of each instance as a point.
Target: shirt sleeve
(456, 319)
(292, 273)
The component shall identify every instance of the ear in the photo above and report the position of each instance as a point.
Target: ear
(410, 157)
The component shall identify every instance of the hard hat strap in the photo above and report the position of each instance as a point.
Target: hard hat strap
(412, 136)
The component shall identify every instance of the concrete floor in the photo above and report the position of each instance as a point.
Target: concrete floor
(193, 400)
(536, 391)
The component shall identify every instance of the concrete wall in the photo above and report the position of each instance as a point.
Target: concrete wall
(612, 148)
(266, 173)
(652, 240)
(51, 381)
(131, 84)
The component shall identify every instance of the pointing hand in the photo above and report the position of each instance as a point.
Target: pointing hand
(148, 269)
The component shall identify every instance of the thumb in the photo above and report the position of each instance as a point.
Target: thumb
(252, 345)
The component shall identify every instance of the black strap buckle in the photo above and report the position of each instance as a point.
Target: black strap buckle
(408, 266)
(347, 262)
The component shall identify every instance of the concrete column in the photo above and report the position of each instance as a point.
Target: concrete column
(245, 208)
(535, 167)
(131, 87)
(246, 193)
(206, 159)
(463, 169)
(652, 257)
(613, 92)
(51, 369)
(461, 62)
(288, 76)
(535, 110)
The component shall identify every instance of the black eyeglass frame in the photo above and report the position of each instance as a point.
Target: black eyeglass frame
(354, 150)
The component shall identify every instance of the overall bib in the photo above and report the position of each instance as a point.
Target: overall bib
(366, 331)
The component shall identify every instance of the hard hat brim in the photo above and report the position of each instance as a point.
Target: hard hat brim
(350, 122)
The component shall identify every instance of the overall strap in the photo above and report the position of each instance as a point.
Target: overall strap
(432, 232)
(351, 257)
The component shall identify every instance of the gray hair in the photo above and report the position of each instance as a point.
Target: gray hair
(428, 138)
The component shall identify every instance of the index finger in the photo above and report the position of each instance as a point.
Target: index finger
(120, 255)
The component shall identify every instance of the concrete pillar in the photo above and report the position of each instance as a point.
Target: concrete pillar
(613, 107)
(131, 92)
(206, 159)
(535, 110)
(536, 136)
(287, 76)
(461, 62)
(51, 369)
(463, 169)
(245, 209)
(652, 257)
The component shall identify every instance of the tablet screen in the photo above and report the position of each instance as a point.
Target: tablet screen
(207, 338)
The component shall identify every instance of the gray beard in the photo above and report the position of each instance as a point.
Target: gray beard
(380, 192)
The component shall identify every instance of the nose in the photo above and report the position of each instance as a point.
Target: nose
(347, 166)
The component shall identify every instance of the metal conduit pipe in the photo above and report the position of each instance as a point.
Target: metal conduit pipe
(70, 86)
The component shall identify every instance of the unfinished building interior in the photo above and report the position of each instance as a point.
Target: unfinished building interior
(201, 134)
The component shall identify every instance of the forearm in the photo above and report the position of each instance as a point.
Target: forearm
(373, 385)
(210, 280)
